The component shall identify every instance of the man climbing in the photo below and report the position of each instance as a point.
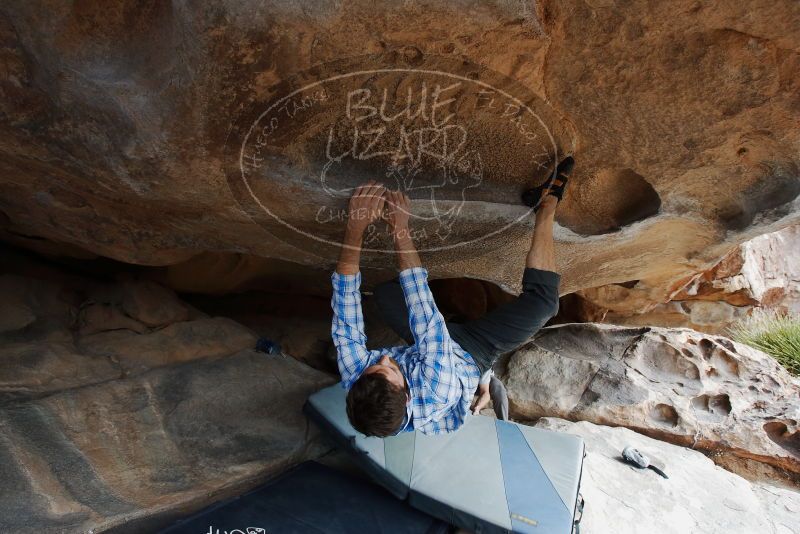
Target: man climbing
(429, 384)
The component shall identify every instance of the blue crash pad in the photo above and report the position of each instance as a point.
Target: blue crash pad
(489, 476)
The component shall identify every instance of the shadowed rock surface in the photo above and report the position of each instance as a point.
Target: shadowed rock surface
(678, 385)
(106, 421)
(142, 450)
(83, 332)
(697, 497)
(118, 120)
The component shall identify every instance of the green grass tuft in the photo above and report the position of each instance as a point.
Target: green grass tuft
(775, 333)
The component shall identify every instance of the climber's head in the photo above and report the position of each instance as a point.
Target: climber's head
(376, 403)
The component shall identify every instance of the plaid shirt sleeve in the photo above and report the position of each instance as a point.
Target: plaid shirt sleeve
(440, 383)
(347, 329)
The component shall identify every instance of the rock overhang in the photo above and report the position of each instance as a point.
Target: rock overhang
(118, 122)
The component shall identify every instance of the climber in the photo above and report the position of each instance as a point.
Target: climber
(429, 384)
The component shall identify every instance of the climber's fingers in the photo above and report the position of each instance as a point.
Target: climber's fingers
(377, 193)
(361, 190)
(374, 194)
(391, 198)
(404, 201)
(480, 403)
(397, 198)
(378, 200)
(399, 201)
(369, 199)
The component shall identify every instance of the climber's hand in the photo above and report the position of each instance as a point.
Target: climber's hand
(398, 209)
(481, 399)
(366, 207)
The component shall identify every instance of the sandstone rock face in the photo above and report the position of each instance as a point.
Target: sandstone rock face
(15, 313)
(763, 272)
(152, 304)
(124, 130)
(121, 406)
(697, 497)
(681, 386)
(142, 450)
(61, 335)
(179, 342)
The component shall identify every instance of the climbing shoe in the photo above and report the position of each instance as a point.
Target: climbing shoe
(555, 185)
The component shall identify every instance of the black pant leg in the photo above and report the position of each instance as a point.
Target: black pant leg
(510, 325)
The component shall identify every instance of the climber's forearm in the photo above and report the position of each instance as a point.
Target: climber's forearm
(407, 256)
(350, 255)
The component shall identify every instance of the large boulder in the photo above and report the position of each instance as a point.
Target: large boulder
(66, 334)
(145, 132)
(698, 496)
(123, 407)
(678, 385)
(139, 451)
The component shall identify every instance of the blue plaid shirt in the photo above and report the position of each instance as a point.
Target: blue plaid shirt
(441, 376)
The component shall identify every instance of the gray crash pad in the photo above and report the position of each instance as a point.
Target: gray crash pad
(489, 476)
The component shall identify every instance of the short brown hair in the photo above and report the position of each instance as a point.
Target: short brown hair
(375, 406)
